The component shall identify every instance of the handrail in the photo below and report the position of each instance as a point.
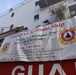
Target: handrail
(15, 7)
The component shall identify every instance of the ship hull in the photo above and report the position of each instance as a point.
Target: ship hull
(65, 67)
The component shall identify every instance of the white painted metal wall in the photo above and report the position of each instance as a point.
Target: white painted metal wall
(24, 15)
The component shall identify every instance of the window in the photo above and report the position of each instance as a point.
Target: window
(12, 14)
(36, 3)
(1, 41)
(11, 26)
(36, 17)
(2, 30)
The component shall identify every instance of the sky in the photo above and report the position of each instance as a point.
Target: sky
(7, 4)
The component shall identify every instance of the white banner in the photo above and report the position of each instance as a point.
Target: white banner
(53, 42)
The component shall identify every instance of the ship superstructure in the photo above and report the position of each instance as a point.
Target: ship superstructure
(34, 13)
(38, 37)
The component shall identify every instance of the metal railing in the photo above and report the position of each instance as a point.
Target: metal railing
(15, 7)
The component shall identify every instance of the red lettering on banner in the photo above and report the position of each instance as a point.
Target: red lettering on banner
(43, 29)
(57, 25)
(16, 35)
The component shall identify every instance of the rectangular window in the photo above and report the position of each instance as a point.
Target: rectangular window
(2, 30)
(11, 26)
(36, 17)
(36, 3)
(12, 15)
(1, 41)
